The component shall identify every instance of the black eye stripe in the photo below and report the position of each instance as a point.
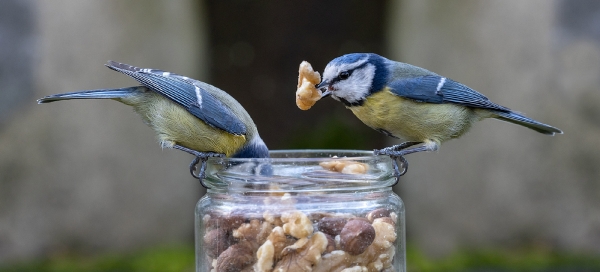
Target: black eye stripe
(339, 78)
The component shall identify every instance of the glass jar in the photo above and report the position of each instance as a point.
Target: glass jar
(301, 210)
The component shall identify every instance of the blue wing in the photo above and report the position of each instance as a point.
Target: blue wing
(183, 91)
(436, 89)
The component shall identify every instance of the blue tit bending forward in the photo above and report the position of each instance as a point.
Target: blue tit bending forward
(410, 103)
(187, 114)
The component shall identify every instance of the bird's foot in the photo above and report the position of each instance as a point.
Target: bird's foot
(201, 158)
(396, 154)
(395, 159)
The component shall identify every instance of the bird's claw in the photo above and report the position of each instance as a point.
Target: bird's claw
(201, 159)
(397, 171)
(396, 156)
(193, 167)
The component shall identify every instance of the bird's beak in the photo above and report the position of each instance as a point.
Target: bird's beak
(324, 90)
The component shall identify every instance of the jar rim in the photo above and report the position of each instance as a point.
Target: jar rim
(302, 170)
(315, 154)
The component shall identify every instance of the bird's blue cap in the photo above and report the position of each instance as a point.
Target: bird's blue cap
(349, 58)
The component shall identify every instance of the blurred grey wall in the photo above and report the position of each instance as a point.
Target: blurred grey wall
(503, 185)
(18, 44)
(89, 175)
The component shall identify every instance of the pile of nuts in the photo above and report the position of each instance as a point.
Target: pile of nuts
(292, 240)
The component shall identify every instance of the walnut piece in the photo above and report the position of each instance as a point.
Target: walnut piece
(255, 231)
(384, 261)
(279, 241)
(355, 168)
(394, 217)
(213, 265)
(345, 167)
(304, 256)
(335, 261)
(273, 218)
(387, 220)
(264, 255)
(385, 233)
(297, 224)
(306, 93)
(355, 269)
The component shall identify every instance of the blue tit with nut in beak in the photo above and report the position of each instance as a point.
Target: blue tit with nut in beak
(417, 106)
(185, 113)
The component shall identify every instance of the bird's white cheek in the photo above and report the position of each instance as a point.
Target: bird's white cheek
(357, 86)
(351, 90)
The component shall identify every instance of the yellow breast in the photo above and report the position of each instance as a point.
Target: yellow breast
(409, 120)
(174, 125)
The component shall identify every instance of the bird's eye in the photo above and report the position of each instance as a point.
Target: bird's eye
(344, 75)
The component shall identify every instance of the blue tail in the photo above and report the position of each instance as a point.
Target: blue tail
(92, 94)
(518, 119)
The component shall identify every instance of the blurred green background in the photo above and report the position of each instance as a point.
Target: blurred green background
(84, 186)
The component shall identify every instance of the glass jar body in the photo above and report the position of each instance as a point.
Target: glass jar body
(298, 215)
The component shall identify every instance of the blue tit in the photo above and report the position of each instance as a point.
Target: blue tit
(411, 103)
(185, 113)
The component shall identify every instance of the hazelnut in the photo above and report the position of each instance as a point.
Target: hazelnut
(356, 236)
(223, 221)
(235, 258)
(215, 242)
(332, 225)
(362, 219)
(383, 212)
(233, 221)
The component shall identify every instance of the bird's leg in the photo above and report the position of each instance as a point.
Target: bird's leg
(201, 157)
(397, 153)
(394, 148)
